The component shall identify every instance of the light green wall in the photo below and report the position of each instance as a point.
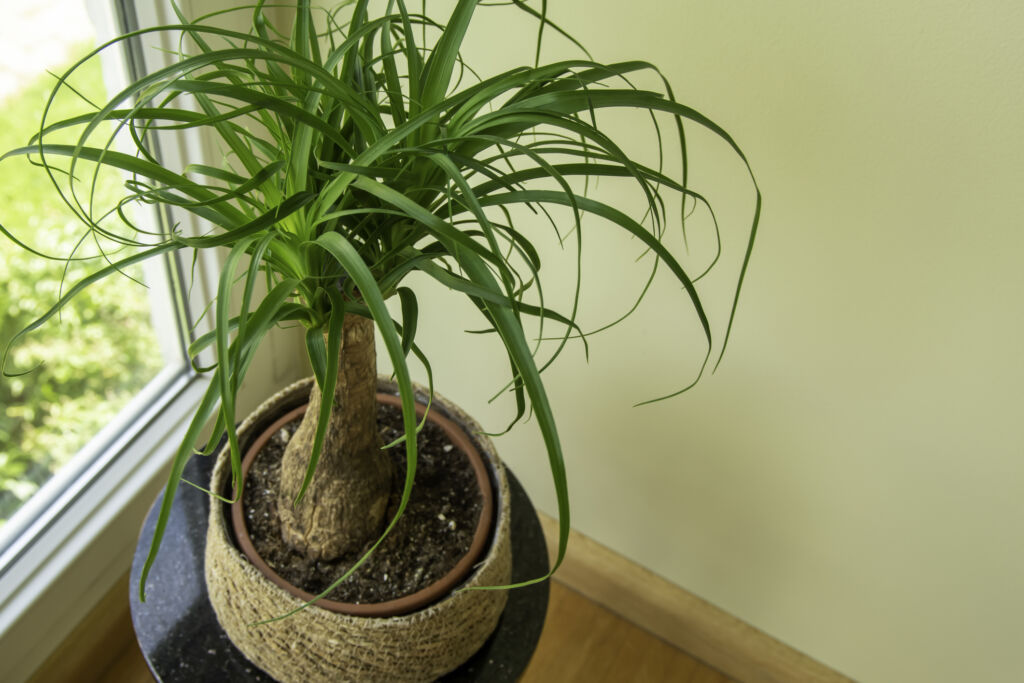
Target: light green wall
(850, 480)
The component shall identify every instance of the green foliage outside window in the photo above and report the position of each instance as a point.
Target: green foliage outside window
(101, 352)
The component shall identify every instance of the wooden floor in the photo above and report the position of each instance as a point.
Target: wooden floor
(582, 641)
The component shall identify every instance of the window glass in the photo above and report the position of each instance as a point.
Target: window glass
(103, 349)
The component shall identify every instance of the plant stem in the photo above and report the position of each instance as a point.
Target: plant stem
(344, 507)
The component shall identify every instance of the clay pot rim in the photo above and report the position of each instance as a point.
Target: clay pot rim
(408, 603)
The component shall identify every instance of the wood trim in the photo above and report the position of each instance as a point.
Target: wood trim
(94, 644)
(682, 619)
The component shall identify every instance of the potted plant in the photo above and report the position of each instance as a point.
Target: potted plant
(361, 148)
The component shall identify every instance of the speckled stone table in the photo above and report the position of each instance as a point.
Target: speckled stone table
(183, 643)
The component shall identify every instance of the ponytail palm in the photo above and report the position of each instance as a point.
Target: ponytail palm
(360, 149)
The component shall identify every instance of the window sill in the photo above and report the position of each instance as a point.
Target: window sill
(75, 562)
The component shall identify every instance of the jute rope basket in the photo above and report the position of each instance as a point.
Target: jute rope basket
(318, 645)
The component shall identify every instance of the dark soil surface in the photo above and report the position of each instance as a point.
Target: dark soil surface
(434, 532)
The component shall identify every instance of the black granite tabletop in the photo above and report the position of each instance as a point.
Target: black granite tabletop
(183, 643)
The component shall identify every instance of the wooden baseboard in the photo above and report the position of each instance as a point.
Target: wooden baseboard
(680, 618)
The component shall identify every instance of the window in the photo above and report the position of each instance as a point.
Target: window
(105, 349)
(67, 534)
(66, 548)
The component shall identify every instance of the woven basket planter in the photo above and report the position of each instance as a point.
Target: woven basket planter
(319, 645)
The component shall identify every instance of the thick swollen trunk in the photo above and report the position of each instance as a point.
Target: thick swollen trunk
(345, 504)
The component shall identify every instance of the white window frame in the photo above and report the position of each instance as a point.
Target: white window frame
(89, 538)
(83, 528)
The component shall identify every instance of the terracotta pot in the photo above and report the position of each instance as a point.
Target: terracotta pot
(316, 644)
(408, 603)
